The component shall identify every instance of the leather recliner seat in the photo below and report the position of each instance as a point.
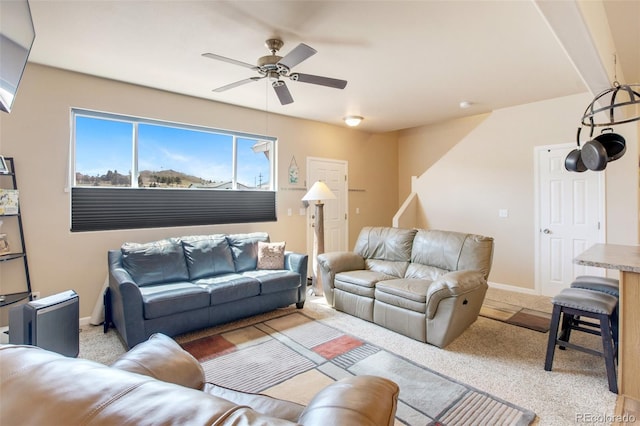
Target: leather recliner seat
(158, 383)
(426, 284)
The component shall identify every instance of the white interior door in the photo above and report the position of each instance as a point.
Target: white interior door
(570, 218)
(334, 174)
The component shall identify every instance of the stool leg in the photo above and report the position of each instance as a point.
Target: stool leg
(553, 335)
(565, 329)
(607, 349)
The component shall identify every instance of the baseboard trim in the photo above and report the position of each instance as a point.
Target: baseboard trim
(514, 288)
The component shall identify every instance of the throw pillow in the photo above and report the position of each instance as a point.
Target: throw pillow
(271, 255)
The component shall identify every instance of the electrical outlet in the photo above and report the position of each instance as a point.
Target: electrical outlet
(35, 295)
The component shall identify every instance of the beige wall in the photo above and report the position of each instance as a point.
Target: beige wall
(492, 167)
(416, 156)
(36, 133)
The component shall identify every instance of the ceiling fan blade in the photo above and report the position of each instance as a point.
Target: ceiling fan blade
(297, 55)
(229, 60)
(282, 91)
(316, 79)
(237, 83)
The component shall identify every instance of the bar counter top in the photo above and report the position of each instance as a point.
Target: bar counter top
(611, 256)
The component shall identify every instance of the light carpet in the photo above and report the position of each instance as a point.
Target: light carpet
(283, 356)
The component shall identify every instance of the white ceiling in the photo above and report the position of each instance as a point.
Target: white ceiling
(408, 63)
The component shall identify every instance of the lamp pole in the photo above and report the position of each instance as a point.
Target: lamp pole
(318, 247)
(318, 192)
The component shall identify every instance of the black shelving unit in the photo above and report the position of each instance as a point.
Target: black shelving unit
(8, 299)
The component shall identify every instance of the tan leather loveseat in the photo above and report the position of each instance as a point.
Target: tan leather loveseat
(158, 383)
(426, 284)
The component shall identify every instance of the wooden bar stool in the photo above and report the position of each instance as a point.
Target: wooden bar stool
(572, 304)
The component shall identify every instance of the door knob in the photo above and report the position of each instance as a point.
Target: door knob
(546, 231)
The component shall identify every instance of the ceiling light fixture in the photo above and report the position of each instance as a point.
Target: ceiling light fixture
(465, 104)
(353, 120)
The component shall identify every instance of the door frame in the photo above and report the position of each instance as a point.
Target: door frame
(345, 201)
(602, 234)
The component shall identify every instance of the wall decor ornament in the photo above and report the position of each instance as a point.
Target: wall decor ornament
(294, 172)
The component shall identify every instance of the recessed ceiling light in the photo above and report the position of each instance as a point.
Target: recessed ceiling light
(353, 120)
(465, 104)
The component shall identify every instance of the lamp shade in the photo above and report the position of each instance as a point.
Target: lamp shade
(319, 191)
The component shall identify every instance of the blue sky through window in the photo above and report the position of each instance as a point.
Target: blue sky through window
(105, 144)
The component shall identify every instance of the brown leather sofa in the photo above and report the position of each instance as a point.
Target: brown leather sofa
(158, 383)
(426, 284)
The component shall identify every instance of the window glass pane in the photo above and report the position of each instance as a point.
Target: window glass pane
(254, 164)
(183, 158)
(103, 152)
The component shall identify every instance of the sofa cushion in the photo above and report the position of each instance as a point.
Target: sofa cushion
(389, 268)
(207, 255)
(244, 248)
(385, 243)
(229, 287)
(160, 300)
(438, 248)
(477, 254)
(271, 255)
(275, 281)
(362, 278)
(404, 293)
(424, 272)
(162, 358)
(155, 262)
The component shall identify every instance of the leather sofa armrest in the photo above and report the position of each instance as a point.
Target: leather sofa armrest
(450, 285)
(163, 358)
(298, 262)
(330, 264)
(126, 301)
(263, 404)
(357, 400)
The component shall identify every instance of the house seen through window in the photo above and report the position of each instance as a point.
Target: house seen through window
(117, 152)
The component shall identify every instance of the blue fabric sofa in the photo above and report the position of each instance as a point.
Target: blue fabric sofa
(182, 284)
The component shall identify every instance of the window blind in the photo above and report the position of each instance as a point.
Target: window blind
(101, 209)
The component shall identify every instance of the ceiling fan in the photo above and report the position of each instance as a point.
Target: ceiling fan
(275, 68)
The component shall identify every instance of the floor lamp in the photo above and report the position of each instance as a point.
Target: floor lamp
(318, 193)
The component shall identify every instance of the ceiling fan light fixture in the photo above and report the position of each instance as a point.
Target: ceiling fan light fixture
(353, 120)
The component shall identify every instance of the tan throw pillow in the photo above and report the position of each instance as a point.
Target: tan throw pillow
(271, 255)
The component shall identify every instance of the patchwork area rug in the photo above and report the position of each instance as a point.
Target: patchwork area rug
(292, 357)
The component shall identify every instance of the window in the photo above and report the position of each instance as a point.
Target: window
(134, 173)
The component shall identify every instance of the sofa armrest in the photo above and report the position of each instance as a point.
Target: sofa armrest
(450, 285)
(126, 301)
(357, 400)
(263, 404)
(333, 263)
(163, 358)
(298, 262)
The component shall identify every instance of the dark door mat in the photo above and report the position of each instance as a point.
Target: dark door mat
(516, 315)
